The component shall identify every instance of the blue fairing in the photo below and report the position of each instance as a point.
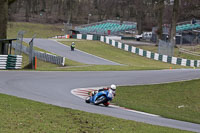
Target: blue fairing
(104, 93)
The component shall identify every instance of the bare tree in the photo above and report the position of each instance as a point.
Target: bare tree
(160, 8)
(174, 21)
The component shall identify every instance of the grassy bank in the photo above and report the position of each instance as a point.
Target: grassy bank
(174, 100)
(41, 30)
(21, 115)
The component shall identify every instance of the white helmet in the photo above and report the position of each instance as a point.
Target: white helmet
(113, 87)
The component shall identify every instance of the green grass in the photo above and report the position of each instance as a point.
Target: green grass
(131, 61)
(163, 99)
(21, 115)
(42, 31)
(176, 51)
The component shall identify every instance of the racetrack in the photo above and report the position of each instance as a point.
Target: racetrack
(55, 88)
(65, 51)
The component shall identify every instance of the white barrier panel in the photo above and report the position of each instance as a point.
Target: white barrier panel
(174, 60)
(141, 52)
(89, 37)
(102, 38)
(133, 49)
(148, 54)
(183, 62)
(164, 58)
(113, 43)
(192, 63)
(126, 47)
(107, 40)
(156, 56)
(79, 36)
(120, 45)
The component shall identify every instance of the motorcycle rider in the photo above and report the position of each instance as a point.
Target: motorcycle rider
(113, 87)
(72, 46)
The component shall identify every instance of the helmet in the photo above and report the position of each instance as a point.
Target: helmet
(113, 87)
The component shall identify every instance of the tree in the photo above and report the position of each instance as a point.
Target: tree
(160, 7)
(3, 20)
(174, 21)
(140, 15)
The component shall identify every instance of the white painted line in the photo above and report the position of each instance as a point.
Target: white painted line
(134, 111)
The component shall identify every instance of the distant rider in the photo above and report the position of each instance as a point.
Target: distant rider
(72, 46)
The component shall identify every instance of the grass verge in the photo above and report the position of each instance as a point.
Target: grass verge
(21, 115)
(178, 100)
(131, 61)
(41, 30)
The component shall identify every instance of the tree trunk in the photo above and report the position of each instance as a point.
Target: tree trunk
(174, 21)
(3, 22)
(160, 18)
(139, 22)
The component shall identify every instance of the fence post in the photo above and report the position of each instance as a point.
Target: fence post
(31, 53)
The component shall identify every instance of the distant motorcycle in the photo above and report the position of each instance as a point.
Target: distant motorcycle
(101, 97)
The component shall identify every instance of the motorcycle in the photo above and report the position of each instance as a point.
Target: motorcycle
(101, 97)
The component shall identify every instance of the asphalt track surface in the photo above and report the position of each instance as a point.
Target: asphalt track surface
(65, 51)
(55, 88)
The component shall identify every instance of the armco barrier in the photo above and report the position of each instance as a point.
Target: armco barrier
(42, 56)
(10, 61)
(141, 52)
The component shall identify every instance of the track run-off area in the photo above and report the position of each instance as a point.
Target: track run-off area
(55, 88)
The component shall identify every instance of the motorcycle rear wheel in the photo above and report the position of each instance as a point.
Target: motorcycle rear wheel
(87, 100)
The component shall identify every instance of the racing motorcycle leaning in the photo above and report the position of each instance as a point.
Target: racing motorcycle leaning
(101, 97)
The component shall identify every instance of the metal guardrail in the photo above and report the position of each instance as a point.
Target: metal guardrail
(41, 55)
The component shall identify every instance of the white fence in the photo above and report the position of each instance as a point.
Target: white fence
(41, 55)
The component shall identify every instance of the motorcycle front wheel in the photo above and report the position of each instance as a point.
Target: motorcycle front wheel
(100, 100)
